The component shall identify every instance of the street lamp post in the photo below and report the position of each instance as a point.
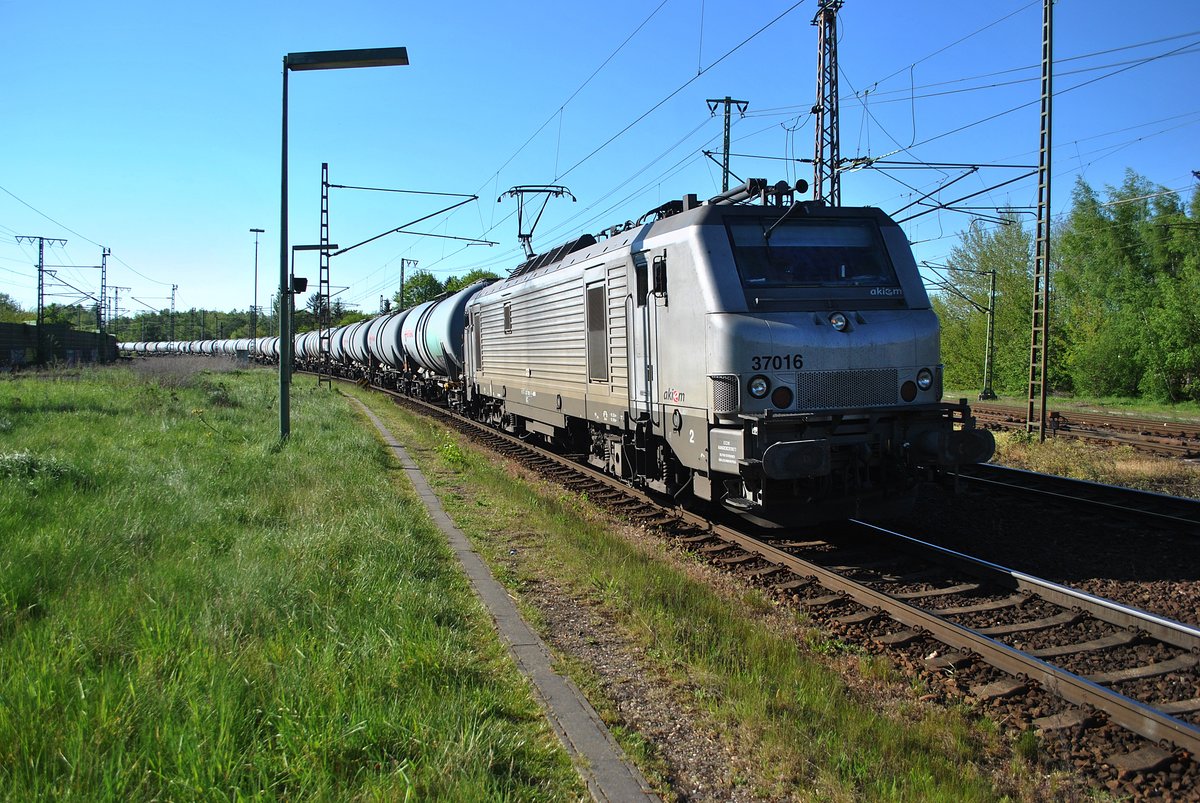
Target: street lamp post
(254, 309)
(317, 60)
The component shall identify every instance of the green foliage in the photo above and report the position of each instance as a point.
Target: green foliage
(1006, 250)
(10, 310)
(77, 316)
(190, 610)
(456, 283)
(419, 287)
(1129, 276)
(348, 317)
(192, 324)
(452, 453)
(36, 472)
(1027, 746)
(339, 313)
(422, 286)
(1124, 322)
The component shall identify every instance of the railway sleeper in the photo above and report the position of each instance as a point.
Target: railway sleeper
(801, 544)
(791, 585)
(764, 571)
(1181, 707)
(963, 588)
(949, 660)
(1071, 718)
(899, 638)
(1147, 759)
(1005, 687)
(1064, 618)
(918, 576)
(858, 618)
(1179, 663)
(1119, 639)
(994, 605)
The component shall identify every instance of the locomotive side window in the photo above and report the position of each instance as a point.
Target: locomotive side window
(597, 334)
(507, 317)
(477, 339)
(810, 253)
(641, 281)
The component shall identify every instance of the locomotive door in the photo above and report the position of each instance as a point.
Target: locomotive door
(640, 322)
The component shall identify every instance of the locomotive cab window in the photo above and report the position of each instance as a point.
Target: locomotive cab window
(597, 334)
(807, 253)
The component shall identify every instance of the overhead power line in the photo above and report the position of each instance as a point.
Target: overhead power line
(681, 87)
(80, 236)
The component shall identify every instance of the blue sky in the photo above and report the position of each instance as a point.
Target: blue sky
(153, 128)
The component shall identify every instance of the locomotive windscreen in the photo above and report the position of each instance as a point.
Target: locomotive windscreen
(810, 253)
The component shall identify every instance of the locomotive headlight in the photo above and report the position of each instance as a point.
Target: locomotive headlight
(759, 386)
(924, 379)
(838, 321)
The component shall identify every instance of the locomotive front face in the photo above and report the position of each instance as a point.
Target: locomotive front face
(830, 324)
(824, 372)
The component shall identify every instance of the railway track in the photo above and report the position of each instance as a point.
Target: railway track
(1146, 505)
(1156, 436)
(1010, 640)
(1038, 634)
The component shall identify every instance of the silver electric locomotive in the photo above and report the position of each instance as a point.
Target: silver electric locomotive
(780, 357)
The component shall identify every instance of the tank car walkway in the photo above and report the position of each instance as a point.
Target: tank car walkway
(596, 755)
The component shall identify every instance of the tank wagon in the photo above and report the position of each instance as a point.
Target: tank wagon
(780, 357)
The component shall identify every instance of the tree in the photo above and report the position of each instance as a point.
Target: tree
(420, 287)
(74, 315)
(316, 305)
(456, 283)
(10, 310)
(1129, 281)
(350, 316)
(963, 314)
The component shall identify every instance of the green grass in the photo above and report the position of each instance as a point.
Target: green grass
(774, 697)
(189, 610)
(1108, 464)
(1111, 465)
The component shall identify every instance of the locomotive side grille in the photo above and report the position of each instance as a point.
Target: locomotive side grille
(724, 394)
(825, 389)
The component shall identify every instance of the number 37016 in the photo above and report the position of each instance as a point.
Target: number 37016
(777, 362)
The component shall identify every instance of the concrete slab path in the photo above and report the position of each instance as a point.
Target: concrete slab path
(600, 761)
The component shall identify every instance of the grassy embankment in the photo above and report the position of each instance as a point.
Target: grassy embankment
(1113, 465)
(775, 698)
(188, 611)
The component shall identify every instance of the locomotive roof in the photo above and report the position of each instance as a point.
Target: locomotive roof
(699, 215)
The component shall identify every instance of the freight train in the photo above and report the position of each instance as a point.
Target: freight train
(778, 357)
